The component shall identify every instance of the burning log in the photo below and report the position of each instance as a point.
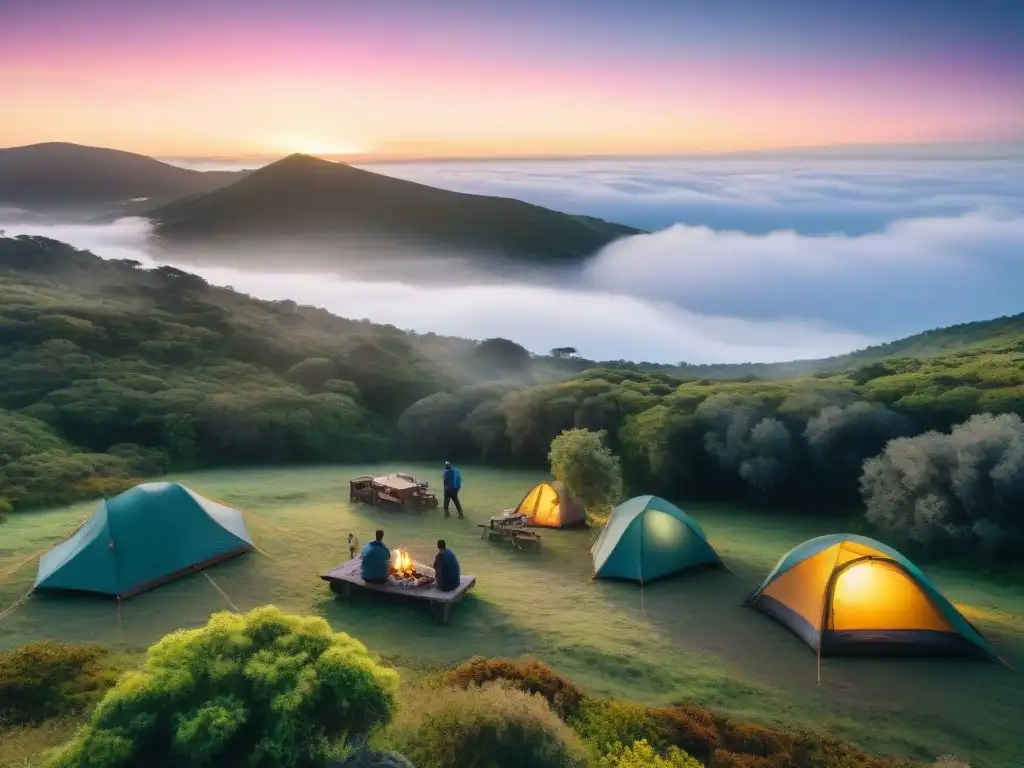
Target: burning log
(405, 572)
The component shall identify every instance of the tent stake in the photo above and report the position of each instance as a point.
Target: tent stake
(222, 592)
(11, 608)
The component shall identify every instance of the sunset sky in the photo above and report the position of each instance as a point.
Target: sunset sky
(442, 78)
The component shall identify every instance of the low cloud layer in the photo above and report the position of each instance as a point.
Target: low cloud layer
(600, 323)
(753, 261)
(810, 196)
(913, 275)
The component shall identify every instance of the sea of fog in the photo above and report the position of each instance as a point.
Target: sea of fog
(747, 260)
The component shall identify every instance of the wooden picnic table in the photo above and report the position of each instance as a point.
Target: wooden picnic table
(403, 490)
(509, 526)
(346, 576)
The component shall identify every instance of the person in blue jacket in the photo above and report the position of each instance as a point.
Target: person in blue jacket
(376, 563)
(447, 574)
(452, 484)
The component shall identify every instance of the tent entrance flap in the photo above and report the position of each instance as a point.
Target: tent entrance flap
(871, 593)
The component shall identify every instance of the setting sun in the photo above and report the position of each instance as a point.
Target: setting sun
(319, 147)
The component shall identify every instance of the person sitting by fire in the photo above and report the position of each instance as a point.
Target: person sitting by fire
(446, 568)
(376, 561)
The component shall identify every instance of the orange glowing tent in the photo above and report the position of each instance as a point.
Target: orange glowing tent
(551, 505)
(844, 594)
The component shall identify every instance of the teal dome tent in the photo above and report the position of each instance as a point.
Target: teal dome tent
(144, 537)
(647, 538)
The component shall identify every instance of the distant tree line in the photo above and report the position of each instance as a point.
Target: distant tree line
(111, 372)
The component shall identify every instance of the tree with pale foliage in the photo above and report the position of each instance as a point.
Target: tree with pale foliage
(259, 689)
(757, 447)
(946, 490)
(582, 461)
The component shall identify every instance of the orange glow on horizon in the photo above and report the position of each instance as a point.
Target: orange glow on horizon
(230, 98)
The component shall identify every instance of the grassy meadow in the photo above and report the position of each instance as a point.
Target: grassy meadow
(684, 639)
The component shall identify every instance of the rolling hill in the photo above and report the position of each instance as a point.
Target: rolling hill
(996, 336)
(305, 200)
(59, 176)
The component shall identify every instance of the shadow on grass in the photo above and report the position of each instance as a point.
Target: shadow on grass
(476, 626)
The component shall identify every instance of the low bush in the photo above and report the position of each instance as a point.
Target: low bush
(640, 754)
(259, 689)
(527, 674)
(495, 725)
(690, 728)
(604, 724)
(718, 741)
(5, 507)
(43, 680)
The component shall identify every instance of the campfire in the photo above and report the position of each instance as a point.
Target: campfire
(407, 573)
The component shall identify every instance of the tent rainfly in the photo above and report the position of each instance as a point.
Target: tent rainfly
(551, 505)
(844, 594)
(146, 536)
(647, 538)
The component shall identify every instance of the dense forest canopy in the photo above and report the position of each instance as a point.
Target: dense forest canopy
(114, 372)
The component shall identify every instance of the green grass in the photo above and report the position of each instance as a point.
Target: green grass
(682, 639)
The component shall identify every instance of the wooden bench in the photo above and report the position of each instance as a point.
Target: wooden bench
(346, 576)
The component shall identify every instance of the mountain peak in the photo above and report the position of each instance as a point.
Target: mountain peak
(298, 159)
(57, 175)
(305, 198)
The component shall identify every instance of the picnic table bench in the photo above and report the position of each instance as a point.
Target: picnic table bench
(509, 526)
(346, 576)
(403, 490)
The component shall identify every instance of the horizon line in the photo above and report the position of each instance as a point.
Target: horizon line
(999, 149)
(976, 149)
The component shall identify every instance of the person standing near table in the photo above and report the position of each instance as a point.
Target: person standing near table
(452, 485)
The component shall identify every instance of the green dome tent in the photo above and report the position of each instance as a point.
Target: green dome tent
(647, 538)
(144, 537)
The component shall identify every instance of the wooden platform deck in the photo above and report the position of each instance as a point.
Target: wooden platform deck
(346, 576)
